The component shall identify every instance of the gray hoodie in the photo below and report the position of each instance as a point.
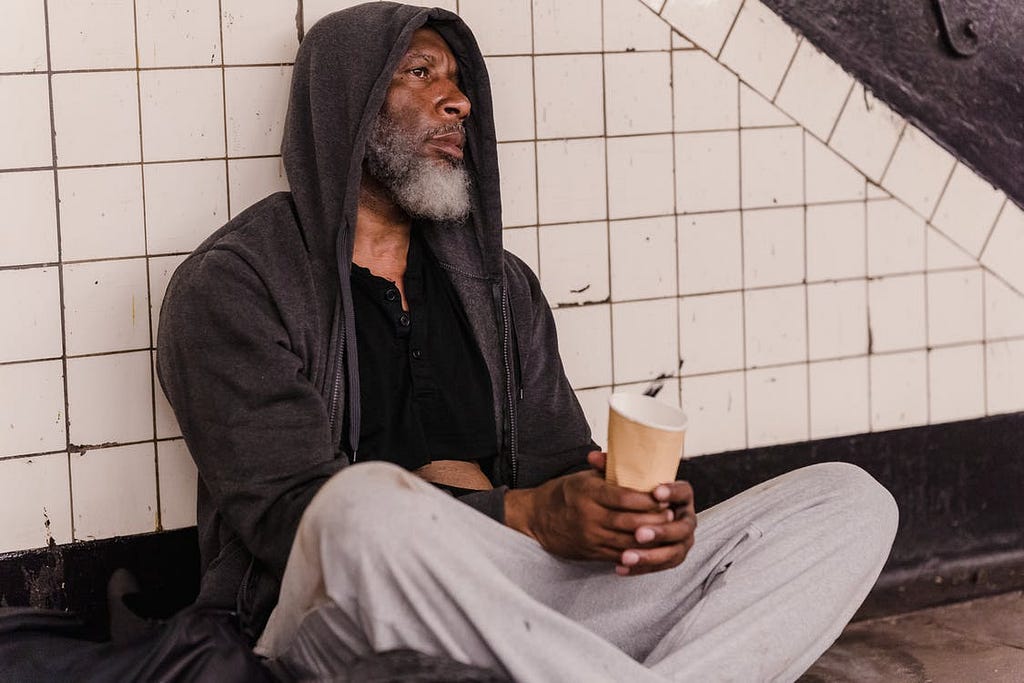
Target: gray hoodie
(257, 348)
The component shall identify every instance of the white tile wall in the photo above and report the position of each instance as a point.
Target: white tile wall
(691, 182)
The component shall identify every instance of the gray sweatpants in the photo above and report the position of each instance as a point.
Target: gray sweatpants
(383, 560)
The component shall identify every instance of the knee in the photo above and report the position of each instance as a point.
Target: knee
(859, 498)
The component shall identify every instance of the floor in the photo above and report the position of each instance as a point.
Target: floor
(980, 641)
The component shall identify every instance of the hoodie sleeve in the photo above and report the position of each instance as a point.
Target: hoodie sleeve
(255, 425)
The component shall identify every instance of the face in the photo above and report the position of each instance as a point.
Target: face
(415, 147)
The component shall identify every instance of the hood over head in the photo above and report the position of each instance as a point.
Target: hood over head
(341, 76)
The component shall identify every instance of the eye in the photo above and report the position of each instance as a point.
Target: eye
(419, 72)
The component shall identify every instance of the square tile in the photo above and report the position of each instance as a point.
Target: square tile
(836, 241)
(716, 408)
(1004, 373)
(518, 164)
(777, 405)
(250, 180)
(899, 390)
(178, 33)
(585, 344)
(23, 37)
(574, 263)
(106, 306)
(101, 212)
(34, 420)
(667, 390)
(760, 48)
(110, 398)
(501, 27)
(96, 474)
(956, 383)
(638, 92)
(775, 325)
(35, 502)
(91, 34)
(166, 424)
(640, 179)
(314, 10)
(184, 203)
(30, 309)
(257, 101)
(643, 258)
(28, 224)
(866, 133)
(837, 318)
(839, 398)
(523, 242)
(512, 93)
(707, 172)
(571, 180)
(711, 333)
(161, 268)
(645, 335)
(896, 239)
(773, 166)
(566, 26)
(919, 171)
(829, 177)
(941, 253)
(595, 407)
(710, 252)
(773, 247)
(570, 96)
(705, 92)
(705, 23)
(1004, 309)
(955, 307)
(96, 116)
(258, 32)
(630, 27)
(25, 129)
(814, 90)
(182, 114)
(178, 485)
(757, 112)
(896, 313)
(1004, 252)
(968, 209)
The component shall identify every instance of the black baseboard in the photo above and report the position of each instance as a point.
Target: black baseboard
(960, 488)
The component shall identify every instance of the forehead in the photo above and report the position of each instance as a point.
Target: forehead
(428, 42)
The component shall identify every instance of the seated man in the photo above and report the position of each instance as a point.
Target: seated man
(333, 349)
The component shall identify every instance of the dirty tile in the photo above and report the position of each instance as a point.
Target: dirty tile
(30, 311)
(96, 117)
(707, 172)
(23, 36)
(645, 339)
(705, 23)
(129, 470)
(178, 33)
(91, 34)
(896, 239)
(837, 319)
(836, 241)
(110, 398)
(643, 258)
(106, 306)
(705, 92)
(955, 307)
(711, 333)
(760, 48)
(638, 93)
(777, 405)
(956, 383)
(571, 180)
(710, 252)
(968, 209)
(570, 96)
(25, 130)
(35, 502)
(501, 27)
(28, 227)
(574, 262)
(773, 166)
(839, 397)
(34, 415)
(258, 32)
(716, 408)
(257, 101)
(640, 176)
(101, 212)
(829, 177)
(776, 325)
(757, 112)
(899, 390)
(866, 133)
(566, 26)
(182, 114)
(773, 247)
(585, 344)
(896, 313)
(629, 26)
(919, 171)
(814, 90)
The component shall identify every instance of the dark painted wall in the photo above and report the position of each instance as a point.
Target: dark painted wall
(973, 105)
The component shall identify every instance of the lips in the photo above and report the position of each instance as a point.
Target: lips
(449, 143)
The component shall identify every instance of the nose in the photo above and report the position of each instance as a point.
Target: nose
(454, 102)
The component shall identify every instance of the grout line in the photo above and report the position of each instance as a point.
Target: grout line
(536, 148)
(839, 116)
(892, 154)
(155, 162)
(992, 229)
(807, 295)
(743, 274)
(728, 34)
(942, 194)
(75, 262)
(675, 228)
(785, 74)
(179, 67)
(984, 342)
(607, 197)
(224, 104)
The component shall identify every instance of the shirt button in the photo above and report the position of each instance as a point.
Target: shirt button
(391, 294)
(417, 354)
(403, 320)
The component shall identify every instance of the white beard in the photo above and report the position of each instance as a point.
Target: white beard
(422, 187)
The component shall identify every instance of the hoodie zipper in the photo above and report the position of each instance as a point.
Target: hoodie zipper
(339, 353)
(509, 383)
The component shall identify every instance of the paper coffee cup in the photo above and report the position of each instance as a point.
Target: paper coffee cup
(645, 441)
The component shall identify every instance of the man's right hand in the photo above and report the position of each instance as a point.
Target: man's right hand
(581, 516)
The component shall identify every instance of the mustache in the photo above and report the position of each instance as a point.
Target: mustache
(446, 129)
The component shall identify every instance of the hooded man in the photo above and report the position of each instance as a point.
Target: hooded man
(332, 350)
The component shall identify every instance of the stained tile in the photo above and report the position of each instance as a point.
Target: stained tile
(574, 262)
(250, 180)
(773, 247)
(814, 90)
(956, 383)
(96, 117)
(919, 171)
(25, 129)
(257, 101)
(711, 333)
(896, 239)
(629, 26)
(760, 48)
(707, 172)
(776, 325)
(23, 37)
(28, 226)
(101, 212)
(899, 390)
(569, 93)
(33, 416)
(106, 306)
(772, 166)
(757, 112)
(91, 34)
(258, 32)
(512, 92)
(182, 114)
(716, 408)
(30, 311)
(1004, 252)
(955, 307)
(1004, 372)
(704, 91)
(178, 33)
(584, 343)
(35, 502)
(837, 319)
(705, 23)
(640, 176)
(185, 202)
(866, 133)
(177, 483)
(501, 27)
(643, 258)
(129, 470)
(829, 178)
(896, 313)
(645, 340)
(836, 241)
(566, 26)
(518, 164)
(710, 252)
(110, 398)
(638, 93)
(1004, 309)
(777, 405)
(571, 180)
(839, 397)
(968, 209)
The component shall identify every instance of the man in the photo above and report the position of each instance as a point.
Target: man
(371, 317)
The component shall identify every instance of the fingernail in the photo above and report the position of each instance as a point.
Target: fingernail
(670, 514)
(621, 571)
(661, 493)
(645, 534)
(629, 558)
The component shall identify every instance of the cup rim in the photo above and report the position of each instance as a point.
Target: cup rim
(637, 408)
